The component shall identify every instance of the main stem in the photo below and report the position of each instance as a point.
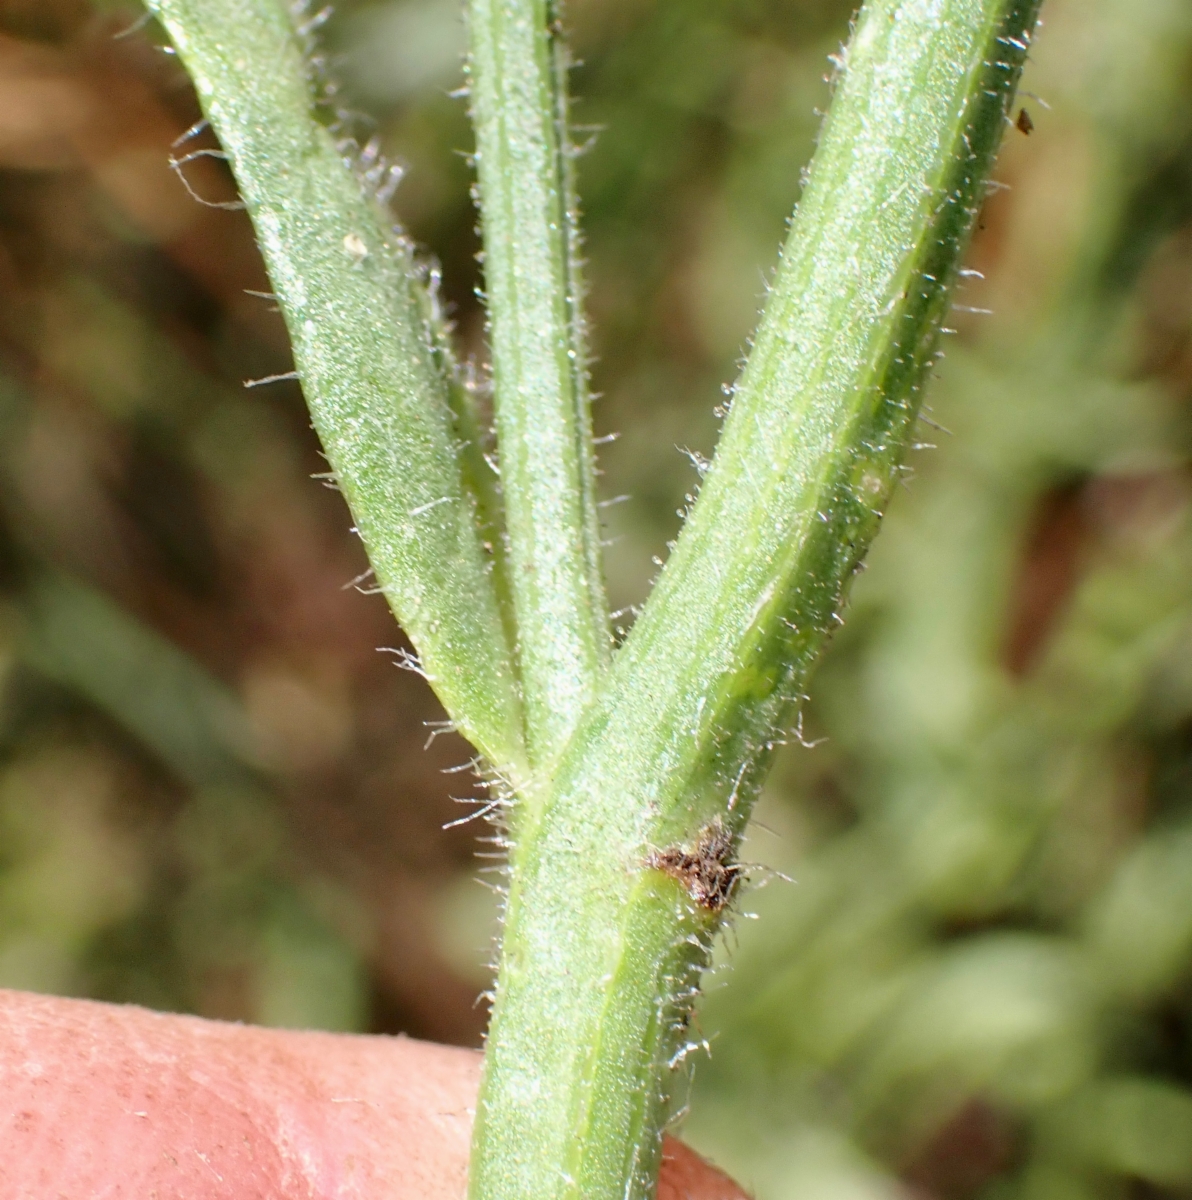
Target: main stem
(602, 948)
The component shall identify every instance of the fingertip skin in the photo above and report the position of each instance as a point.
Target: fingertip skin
(686, 1176)
(100, 1101)
(109, 1102)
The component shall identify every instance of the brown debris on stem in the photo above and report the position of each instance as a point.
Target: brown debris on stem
(705, 871)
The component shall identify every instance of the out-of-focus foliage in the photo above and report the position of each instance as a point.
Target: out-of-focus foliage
(213, 790)
(214, 794)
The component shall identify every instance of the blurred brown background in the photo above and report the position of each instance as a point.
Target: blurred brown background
(216, 796)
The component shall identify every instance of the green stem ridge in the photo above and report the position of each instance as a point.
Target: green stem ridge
(517, 71)
(366, 355)
(601, 951)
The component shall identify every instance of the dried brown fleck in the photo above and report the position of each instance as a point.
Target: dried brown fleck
(1024, 122)
(705, 870)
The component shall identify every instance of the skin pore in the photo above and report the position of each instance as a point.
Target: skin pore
(110, 1102)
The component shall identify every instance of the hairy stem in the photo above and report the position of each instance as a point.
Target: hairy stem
(518, 90)
(366, 355)
(603, 943)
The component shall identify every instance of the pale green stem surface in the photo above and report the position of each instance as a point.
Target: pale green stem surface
(518, 92)
(601, 951)
(366, 355)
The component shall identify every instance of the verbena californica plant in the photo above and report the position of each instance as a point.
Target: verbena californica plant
(621, 779)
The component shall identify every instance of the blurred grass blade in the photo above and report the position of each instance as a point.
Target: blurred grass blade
(369, 365)
(517, 71)
(84, 641)
(581, 1052)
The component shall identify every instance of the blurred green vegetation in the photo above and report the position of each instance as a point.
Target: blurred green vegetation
(214, 793)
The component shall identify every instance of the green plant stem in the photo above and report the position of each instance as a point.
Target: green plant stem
(367, 358)
(518, 91)
(601, 950)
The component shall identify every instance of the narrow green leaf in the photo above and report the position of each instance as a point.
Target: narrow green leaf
(517, 80)
(370, 364)
(601, 948)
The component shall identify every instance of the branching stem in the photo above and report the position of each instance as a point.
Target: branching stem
(639, 774)
(577, 1069)
(366, 354)
(518, 89)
